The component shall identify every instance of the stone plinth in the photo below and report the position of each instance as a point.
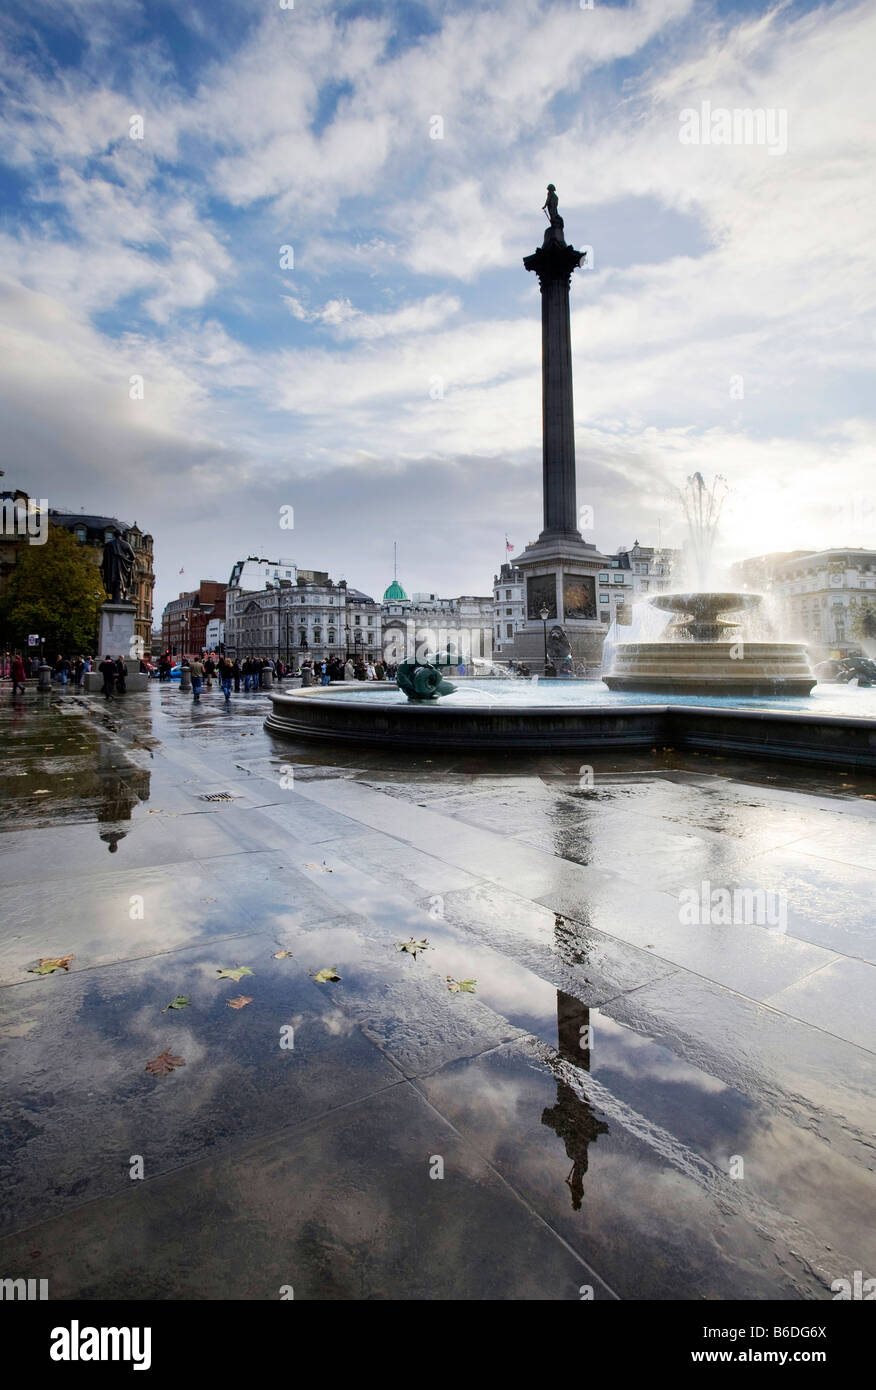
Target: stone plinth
(136, 683)
(118, 630)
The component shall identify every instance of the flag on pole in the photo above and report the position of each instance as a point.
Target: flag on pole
(182, 571)
(508, 545)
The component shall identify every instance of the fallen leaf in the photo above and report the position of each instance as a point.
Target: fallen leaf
(240, 1002)
(326, 974)
(412, 946)
(181, 1001)
(460, 986)
(282, 955)
(236, 974)
(48, 964)
(42, 791)
(164, 1064)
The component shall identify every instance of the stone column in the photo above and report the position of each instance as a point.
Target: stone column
(554, 263)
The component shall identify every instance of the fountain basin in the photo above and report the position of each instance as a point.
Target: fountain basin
(712, 668)
(516, 716)
(696, 657)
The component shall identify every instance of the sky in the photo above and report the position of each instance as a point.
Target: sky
(260, 256)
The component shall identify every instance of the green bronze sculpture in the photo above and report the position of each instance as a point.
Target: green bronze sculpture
(420, 681)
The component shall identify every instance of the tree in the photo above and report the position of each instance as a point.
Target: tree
(54, 590)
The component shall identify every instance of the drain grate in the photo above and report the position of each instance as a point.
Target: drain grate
(216, 796)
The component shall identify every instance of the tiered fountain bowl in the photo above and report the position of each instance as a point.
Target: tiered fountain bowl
(698, 655)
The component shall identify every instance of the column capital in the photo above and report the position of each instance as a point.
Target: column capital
(554, 261)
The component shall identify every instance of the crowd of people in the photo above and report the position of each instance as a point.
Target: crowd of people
(231, 674)
(248, 674)
(69, 670)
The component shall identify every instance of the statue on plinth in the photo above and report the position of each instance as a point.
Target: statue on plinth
(117, 568)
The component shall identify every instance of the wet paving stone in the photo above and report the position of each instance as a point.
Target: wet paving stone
(590, 1098)
(342, 1209)
(82, 1105)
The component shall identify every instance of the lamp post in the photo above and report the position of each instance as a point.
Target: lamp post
(544, 614)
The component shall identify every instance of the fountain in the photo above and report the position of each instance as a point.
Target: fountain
(692, 658)
(702, 652)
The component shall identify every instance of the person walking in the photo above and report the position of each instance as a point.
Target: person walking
(78, 672)
(196, 670)
(18, 676)
(237, 673)
(121, 675)
(107, 669)
(226, 676)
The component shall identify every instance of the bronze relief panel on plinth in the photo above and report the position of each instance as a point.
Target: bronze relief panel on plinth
(541, 592)
(579, 596)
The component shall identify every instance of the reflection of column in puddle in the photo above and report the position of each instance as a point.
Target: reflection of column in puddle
(571, 1118)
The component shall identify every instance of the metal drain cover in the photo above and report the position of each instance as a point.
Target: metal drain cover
(216, 796)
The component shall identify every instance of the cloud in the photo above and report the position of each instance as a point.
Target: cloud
(400, 360)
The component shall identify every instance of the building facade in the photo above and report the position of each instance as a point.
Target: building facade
(428, 624)
(650, 567)
(254, 573)
(314, 617)
(185, 619)
(828, 599)
(509, 608)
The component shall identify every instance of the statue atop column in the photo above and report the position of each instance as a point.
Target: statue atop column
(117, 568)
(555, 230)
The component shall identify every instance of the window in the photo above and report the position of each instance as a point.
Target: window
(604, 617)
(603, 579)
(370, 622)
(509, 629)
(81, 535)
(617, 578)
(331, 635)
(508, 612)
(302, 638)
(317, 634)
(603, 598)
(507, 593)
(358, 620)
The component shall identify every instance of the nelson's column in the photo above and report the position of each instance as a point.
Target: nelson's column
(560, 569)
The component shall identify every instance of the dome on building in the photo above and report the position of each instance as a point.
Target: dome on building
(395, 594)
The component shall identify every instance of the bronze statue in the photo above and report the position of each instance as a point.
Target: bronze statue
(554, 234)
(117, 568)
(550, 207)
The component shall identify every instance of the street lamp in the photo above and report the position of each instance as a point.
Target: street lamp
(544, 615)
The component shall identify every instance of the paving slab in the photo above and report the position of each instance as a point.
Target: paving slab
(343, 1209)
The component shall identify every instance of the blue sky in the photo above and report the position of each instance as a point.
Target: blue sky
(386, 385)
